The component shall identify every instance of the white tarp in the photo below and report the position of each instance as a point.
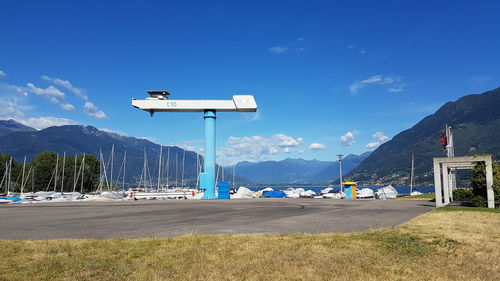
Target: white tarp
(326, 190)
(308, 193)
(113, 195)
(293, 193)
(386, 192)
(365, 193)
(243, 192)
(338, 195)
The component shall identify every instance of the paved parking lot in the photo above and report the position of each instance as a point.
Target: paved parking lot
(177, 217)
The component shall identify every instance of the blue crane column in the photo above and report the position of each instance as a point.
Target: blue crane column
(207, 178)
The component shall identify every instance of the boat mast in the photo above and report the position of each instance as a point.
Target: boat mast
(22, 180)
(74, 176)
(62, 178)
(217, 174)
(124, 164)
(144, 170)
(55, 178)
(222, 161)
(197, 167)
(4, 176)
(10, 176)
(33, 176)
(150, 181)
(112, 164)
(159, 168)
(234, 168)
(168, 160)
(183, 161)
(83, 171)
(100, 168)
(176, 169)
(412, 172)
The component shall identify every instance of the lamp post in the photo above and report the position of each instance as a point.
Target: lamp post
(340, 165)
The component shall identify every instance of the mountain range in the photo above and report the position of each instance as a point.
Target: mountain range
(475, 125)
(297, 171)
(11, 126)
(20, 140)
(23, 141)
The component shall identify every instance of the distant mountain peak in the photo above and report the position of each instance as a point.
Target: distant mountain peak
(12, 126)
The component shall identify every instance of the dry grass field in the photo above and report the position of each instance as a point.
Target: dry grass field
(445, 244)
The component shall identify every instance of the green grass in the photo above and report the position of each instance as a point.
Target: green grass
(425, 196)
(467, 209)
(445, 244)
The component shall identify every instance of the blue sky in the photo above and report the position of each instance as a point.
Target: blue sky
(329, 77)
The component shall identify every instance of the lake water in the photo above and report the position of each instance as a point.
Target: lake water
(317, 189)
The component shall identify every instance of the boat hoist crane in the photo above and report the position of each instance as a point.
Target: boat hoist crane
(159, 102)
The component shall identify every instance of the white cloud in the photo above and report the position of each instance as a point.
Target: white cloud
(286, 141)
(395, 90)
(278, 49)
(8, 88)
(394, 83)
(89, 108)
(67, 106)
(123, 134)
(47, 121)
(66, 84)
(51, 91)
(92, 110)
(300, 39)
(362, 52)
(251, 116)
(377, 139)
(63, 105)
(12, 110)
(349, 138)
(193, 145)
(151, 139)
(13, 105)
(317, 146)
(2, 74)
(258, 148)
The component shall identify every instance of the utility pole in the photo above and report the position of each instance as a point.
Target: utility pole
(340, 166)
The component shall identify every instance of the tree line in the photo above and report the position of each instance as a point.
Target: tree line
(41, 174)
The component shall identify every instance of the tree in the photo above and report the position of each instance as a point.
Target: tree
(478, 184)
(91, 172)
(45, 164)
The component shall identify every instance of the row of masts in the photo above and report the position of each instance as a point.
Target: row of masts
(146, 182)
(7, 177)
(111, 182)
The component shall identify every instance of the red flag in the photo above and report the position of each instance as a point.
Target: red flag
(444, 141)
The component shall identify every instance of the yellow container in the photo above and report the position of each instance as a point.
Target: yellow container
(350, 190)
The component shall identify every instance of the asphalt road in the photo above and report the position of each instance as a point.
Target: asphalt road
(178, 217)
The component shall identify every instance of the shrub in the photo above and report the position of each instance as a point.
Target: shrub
(478, 183)
(462, 194)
